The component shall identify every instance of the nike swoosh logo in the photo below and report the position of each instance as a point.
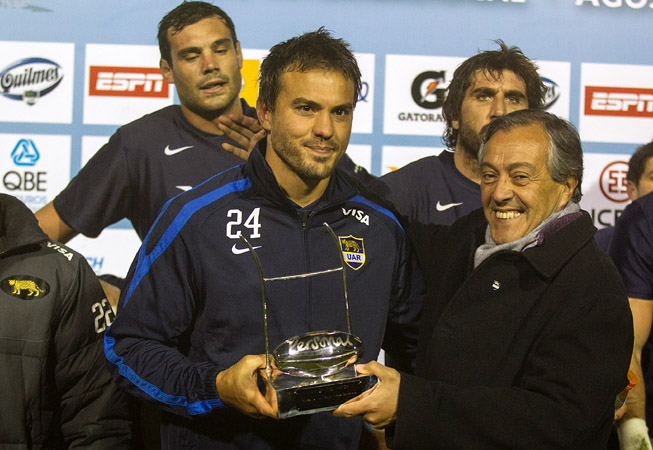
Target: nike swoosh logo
(184, 188)
(173, 151)
(441, 208)
(239, 251)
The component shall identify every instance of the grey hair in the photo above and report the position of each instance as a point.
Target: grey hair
(565, 156)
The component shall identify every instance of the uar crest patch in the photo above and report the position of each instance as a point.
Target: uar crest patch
(353, 251)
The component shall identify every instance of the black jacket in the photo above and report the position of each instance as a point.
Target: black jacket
(55, 391)
(527, 350)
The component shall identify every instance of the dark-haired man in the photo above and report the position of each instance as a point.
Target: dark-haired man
(526, 334)
(156, 157)
(639, 179)
(189, 333)
(639, 182)
(149, 161)
(631, 248)
(440, 189)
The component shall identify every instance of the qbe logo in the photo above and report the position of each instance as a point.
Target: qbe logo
(145, 82)
(613, 181)
(618, 101)
(25, 179)
(25, 153)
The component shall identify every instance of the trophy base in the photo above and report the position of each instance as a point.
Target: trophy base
(301, 395)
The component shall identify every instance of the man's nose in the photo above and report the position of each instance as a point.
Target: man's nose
(502, 190)
(323, 126)
(498, 107)
(209, 62)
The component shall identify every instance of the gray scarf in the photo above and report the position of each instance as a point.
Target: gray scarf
(552, 223)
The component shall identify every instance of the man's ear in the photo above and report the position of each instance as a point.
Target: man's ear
(166, 71)
(570, 187)
(631, 190)
(264, 115)
(455, 124)
(239, 55)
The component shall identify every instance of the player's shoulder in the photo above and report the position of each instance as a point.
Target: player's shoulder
(421, 166)
(639, 213)
(644, 204)
(370, 203)
(60, 252)
(193, 205)
(158, 126)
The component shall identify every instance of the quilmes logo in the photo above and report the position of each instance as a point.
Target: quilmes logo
(427, 89)
(618, 101)
(25, 153)
(30, 79)
(144, 82)
(613, 181)
(552, 92)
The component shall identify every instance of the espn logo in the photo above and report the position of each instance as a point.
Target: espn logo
(616, 101)
(127, 82)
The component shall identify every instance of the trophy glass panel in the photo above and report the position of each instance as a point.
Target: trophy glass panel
(317, 367)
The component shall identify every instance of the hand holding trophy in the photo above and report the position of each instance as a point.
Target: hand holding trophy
(316, 370)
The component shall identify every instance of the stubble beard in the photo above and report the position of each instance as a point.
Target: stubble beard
(226, 101)
(315, 169)
(470, 140)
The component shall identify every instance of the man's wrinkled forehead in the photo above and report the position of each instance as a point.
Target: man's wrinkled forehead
(175, 30)
(486, 76)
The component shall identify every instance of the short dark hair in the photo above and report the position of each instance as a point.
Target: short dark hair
(565, 156)
(637, 163)
(186, 14)
(314, 50)
(492, 63)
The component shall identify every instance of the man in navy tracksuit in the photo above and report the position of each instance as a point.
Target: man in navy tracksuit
(189, 333)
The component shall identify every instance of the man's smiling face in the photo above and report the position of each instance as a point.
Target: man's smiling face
(517, 190)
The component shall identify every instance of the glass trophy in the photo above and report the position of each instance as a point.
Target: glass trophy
(316, 370)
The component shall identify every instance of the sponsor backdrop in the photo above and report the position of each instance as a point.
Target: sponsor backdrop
(72, 71)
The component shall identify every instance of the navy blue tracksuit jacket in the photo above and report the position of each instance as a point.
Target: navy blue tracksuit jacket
(193, 303)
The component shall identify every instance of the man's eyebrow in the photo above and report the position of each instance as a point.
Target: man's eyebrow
(492, 91)
(515, 93)
(521, 165)
(512, 166)
(484, 90)
(303, 101)
(223, 41)
(194, 49)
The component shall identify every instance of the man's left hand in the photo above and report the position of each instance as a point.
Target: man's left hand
(377, 406)
(244, 130)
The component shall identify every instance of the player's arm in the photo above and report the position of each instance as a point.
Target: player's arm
(52, 224)
(631, 251)
(158, 309)
(93, 411)
(400, 339)
(57, 230)
(633, 433)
